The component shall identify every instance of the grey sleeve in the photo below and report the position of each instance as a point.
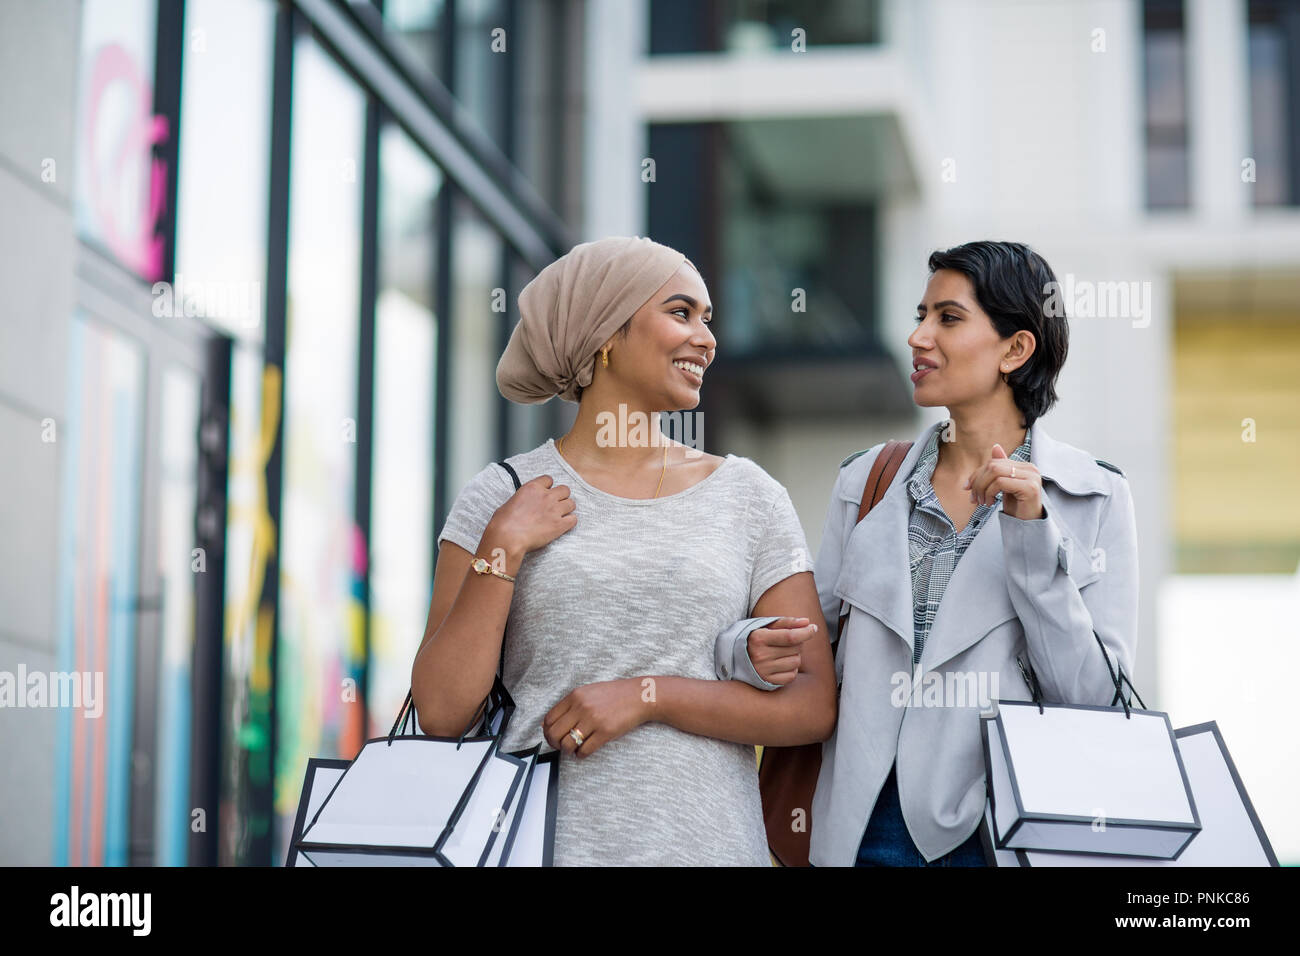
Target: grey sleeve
(1060, 609)
(474, 507)
(731, 653)
(780, 548)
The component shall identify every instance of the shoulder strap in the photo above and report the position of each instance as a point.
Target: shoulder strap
(514, 476)
(501, 665)
(883, 470)
(882, 473)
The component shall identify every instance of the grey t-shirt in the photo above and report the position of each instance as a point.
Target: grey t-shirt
(640, 588)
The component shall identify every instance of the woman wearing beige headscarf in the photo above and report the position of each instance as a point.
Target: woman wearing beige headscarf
(613, 568)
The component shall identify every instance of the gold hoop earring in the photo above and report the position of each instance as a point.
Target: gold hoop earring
(604, 358)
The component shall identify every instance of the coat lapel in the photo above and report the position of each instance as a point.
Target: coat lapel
(976, 599)
(876, 575)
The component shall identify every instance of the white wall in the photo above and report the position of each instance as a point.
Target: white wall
(38, 69)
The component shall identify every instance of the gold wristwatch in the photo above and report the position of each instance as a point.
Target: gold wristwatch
(482, 567)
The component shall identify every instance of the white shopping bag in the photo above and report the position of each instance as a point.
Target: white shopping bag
(529, 827)
(1084, 779)
(1230, 835)
(418, 800)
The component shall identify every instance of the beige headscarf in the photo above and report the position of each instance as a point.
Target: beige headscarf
(571, 307)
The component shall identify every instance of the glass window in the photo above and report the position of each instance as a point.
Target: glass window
(246, 686)
(221, 229)
(1165, 72)
(401, 570)
(1269, 112)
(417, 25)
(178, 491)
(688, 26)
(486, 47)
(478, 301)
(796, 272)
(225, 164)
(117, 204)
(319, 657)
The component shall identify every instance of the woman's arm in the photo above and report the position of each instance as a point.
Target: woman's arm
(803, 712)
(1058, 617)
(458, 657)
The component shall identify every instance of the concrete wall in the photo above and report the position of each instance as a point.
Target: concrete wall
(38, 71)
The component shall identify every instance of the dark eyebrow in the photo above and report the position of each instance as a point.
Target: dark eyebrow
(946, 303)
(687, 299)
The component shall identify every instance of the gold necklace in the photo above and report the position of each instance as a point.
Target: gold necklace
(662, 472)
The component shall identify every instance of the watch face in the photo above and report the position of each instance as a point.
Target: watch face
(479, 565)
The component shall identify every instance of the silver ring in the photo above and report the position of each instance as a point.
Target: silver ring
(1013, 471)
(576, 735)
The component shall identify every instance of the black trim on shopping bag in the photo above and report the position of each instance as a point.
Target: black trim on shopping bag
(510, 797)
(308, 783)
(1022, 816)
(520, 767)
(513, 807)
(552, 791)
(986, 840)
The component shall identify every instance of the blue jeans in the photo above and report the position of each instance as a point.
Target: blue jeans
(887, 842)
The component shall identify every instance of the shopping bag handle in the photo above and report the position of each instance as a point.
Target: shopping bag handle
(498, 700)
(1118, 678)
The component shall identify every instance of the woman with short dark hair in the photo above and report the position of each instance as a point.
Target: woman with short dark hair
(989, 563)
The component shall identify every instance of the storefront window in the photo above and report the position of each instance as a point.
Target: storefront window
(119, 187)
(319, 652)
(222, 188)
(401, 571)
(477, 306)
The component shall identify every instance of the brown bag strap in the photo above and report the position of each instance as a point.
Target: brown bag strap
(883, 470)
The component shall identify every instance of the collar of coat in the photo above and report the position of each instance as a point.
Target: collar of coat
(1070, 469)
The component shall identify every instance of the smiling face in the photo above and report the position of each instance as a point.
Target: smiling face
(958, 358)
(665, 337)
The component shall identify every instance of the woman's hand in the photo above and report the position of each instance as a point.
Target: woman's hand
(534, 516)
(601, 712)
(774, 650)
(1022, 495)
